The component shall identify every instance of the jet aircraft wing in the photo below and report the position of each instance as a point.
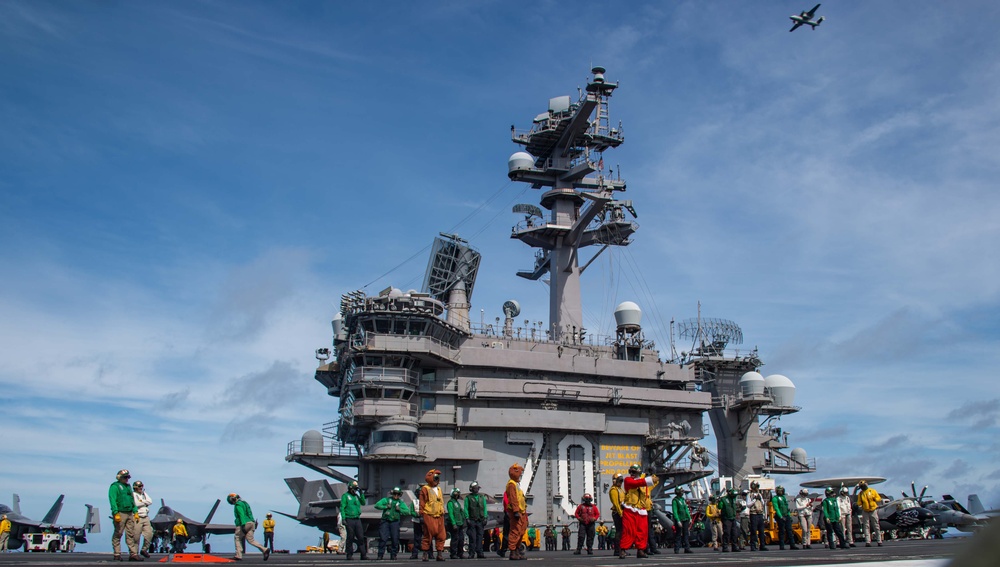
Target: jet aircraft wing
(795, 26)
(812, 12)
(166, 517)
(21, 525)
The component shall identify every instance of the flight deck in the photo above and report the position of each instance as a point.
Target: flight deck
(906, 553)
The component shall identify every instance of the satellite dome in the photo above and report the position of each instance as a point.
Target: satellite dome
(312, 441)
(628, 315)
(752, 384)
(799, 456)
(781, 389)
(395, 293)
(520, 161)
(338, 326)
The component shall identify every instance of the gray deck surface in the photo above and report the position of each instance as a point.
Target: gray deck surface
(891, 551)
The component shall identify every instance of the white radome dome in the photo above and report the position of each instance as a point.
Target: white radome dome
(628, 314)
(520, 161)
(781, 389)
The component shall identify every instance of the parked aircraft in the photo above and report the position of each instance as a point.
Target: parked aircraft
(319, 506)
(898, 516)
(806, 18)
(905, 516)
(976, 509)
(21, 525)
(949, 513)
(165, 518)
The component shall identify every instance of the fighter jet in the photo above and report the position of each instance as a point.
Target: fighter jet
(806, 18)
(949, 513)
(21, 525)
(904, 515)
(166, 517)
(319, 506)
(976, 509)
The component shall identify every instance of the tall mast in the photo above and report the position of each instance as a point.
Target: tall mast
(563, 150)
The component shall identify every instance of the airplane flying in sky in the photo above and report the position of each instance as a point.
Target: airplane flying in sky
(166, 517)
(806, 18)
(21, 525)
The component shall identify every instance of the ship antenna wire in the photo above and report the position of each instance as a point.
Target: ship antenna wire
(452, 230)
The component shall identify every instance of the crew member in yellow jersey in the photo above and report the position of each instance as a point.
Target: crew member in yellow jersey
(517, 511)
(269, 532)
(617, 494)
(432, 514)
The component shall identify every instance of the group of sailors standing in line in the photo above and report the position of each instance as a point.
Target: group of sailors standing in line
(731, 516)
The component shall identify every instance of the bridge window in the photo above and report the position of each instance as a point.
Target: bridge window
(394, 437)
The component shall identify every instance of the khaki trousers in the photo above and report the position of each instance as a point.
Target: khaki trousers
(126, 526)
(144, 530)
(245, 532)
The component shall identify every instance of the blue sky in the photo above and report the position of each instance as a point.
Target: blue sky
(187, 188)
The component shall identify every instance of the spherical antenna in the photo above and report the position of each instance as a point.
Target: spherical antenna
(511, 308)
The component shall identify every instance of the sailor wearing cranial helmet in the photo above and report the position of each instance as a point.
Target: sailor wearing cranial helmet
(517, 511)
(432, 514)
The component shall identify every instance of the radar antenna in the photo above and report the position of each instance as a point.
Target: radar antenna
(452, 261)
(710, 336)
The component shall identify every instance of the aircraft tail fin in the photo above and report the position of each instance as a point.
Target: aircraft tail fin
(976, 505)
(16, 504)
(92, 523)
(955, 504)
(208, 520)
(309, 493)
(53, 515)
(296, 485)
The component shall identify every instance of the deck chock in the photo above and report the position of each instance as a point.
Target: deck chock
(194, 558)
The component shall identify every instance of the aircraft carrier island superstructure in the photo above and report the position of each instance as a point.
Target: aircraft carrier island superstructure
(421, 386)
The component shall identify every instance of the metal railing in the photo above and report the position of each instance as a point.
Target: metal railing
(330, 447)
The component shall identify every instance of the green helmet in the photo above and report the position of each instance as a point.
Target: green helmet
(635, 468)
(456, 492)
(830, 491)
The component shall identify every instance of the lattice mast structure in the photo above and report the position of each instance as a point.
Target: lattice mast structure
(562, 152)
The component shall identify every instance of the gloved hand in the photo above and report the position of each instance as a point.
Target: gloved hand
(136, 516)
(118, 517)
